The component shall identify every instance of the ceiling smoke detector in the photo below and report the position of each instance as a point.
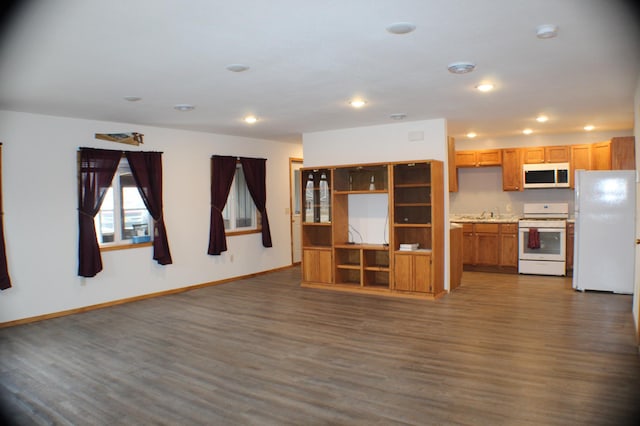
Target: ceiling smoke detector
(461, 67)
(546, 31)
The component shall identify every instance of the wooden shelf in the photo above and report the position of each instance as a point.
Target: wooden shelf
(414, 194)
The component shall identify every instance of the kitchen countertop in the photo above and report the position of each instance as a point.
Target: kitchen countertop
(469, 218)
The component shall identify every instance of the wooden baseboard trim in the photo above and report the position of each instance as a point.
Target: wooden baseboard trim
(134, 299)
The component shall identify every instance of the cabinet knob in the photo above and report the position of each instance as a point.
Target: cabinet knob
(637, 240)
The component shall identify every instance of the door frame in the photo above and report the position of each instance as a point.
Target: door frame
(293, 160)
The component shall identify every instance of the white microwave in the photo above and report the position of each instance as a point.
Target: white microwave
(545, 175)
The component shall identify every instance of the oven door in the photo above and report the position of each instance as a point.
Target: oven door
(552, 245)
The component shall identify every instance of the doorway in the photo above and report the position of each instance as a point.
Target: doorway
(295, 164)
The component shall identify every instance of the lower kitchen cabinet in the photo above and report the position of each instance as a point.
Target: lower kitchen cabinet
(413, 272)
(316, 265)
(490, 246)
(509, 244)
(570, 241)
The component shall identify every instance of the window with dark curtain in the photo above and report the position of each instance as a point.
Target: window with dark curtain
(97, 167)
(223, 169)
(255, 174)
(5, 281)
(146, 168)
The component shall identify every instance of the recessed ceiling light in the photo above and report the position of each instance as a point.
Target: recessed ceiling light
(461, 67)
(184, 107)
(527, 131)
(132, 98)
(471, 135)
(542, 118)
(401, 28)
(237, 67)
(357, 103)
(546, 31)
(399, 116)
(250, 119)
(589, 127)
(485, 87)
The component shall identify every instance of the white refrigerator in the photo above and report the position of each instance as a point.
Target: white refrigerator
(604, 245)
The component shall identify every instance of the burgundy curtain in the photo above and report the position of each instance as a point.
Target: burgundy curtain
(146, 168)
(5, 281)
(97, 167)
(255, 174)
(223, 168)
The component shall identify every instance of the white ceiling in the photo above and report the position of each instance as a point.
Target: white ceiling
(308, 58)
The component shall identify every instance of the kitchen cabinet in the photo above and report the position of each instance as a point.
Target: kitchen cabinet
(546, 154)
(412, 272)
(490, 246)
(455, 256)
(487, 243)
(615, 154)
(570, 241)
(480, 243)
(580, 160)
(509, 244)
(512, 169)
(451, 164)
(479, 158)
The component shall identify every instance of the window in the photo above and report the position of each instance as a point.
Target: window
(240, 213)
(123, 217)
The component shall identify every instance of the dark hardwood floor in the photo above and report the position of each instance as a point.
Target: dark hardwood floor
(500, 350)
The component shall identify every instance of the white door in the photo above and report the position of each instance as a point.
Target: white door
(295, 164)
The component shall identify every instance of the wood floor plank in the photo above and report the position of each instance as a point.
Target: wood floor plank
(500, 350)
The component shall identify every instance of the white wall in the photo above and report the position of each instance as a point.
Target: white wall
(383, 143)
(40, 206)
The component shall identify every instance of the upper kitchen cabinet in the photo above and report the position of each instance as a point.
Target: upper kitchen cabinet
(479, 158)
(580, 160)
(451, 163)
(615, 154)
(546, 154)
(512, 169)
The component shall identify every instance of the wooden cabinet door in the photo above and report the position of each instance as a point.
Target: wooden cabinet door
(580, 160)
(511, 169)
(601, 156)
(533, 154)
(489, 157)
(412, 272)
(403, 272)
(422, 273)
(623, 153)
(488, 245)
(509, 244)
(468, 245)
(316, 266)
(466, 159)
(556, 154)
(570, 240)
(452, 169)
